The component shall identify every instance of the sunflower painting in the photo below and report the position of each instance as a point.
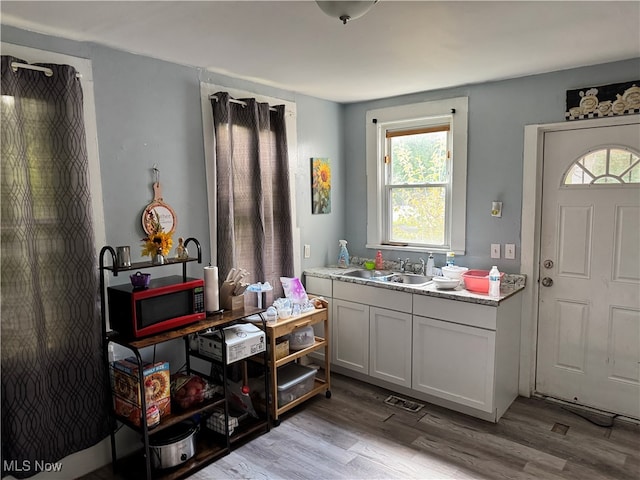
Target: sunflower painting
(320, 185)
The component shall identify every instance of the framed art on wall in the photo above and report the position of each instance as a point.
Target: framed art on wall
(320, 185)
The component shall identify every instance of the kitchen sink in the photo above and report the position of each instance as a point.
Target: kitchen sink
(368, 274)
(389, 276)
(409, 278)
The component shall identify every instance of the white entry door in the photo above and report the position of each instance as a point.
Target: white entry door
(589, 300)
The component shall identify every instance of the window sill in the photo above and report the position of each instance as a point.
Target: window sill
(411, 248)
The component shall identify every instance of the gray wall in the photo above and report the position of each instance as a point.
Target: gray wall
(148, 112)
(498, 112)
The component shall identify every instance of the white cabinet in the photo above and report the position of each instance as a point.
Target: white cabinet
(373, 341)
(390, 346)
(457, 354)
(368, 338)
(467, 354)
(454, 362)
(350, 336)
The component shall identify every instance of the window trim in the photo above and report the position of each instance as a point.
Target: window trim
(455, 108)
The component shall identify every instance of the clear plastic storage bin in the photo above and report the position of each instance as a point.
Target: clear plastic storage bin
(294, 381)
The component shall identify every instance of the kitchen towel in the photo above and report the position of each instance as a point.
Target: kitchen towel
(211, 292)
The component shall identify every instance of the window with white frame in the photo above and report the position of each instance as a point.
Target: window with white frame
(416, 176)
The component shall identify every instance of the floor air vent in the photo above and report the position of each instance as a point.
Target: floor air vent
(404, 404)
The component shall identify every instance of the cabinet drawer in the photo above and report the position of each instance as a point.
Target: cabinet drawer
(373, 296)
(473, 314)
(318, 286)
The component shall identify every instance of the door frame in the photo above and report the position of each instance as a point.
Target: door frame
(531, 222)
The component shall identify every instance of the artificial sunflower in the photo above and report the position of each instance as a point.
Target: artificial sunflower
(159, 240)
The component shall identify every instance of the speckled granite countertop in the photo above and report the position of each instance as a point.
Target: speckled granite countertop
(511, 284)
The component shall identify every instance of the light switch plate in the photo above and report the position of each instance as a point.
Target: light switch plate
(510, 251)
(307, 251)
(495, 250)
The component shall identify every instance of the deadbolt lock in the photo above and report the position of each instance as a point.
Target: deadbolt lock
(548, 264)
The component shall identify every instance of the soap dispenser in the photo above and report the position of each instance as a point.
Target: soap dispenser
(343, 256)
(430, 265)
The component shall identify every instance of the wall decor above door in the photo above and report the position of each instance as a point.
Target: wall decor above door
(603, 101)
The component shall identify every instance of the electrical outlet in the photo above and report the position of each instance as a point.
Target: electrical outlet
(510, 251)
(307, 251)
(495, 250)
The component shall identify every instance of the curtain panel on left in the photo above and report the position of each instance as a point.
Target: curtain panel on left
(53, 376)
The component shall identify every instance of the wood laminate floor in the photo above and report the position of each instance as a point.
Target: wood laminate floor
(355, 435)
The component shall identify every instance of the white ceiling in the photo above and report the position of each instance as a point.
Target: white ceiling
(398, 47)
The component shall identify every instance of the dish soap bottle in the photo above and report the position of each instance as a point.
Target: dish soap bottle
(494, 282)
(430, 266)
(343, 256)
(379, 261)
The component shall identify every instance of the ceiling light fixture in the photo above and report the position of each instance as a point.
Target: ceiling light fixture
(346, 10)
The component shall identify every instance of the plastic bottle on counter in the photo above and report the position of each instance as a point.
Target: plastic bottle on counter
(430, 266)
(451, 259)
(343, 256)
(379, 261)
(494, 282)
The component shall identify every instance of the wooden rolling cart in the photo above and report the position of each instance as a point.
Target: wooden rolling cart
(322, 381)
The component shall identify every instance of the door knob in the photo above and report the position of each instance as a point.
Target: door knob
(547, 282)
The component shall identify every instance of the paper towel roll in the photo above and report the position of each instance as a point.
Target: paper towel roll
(211, 291)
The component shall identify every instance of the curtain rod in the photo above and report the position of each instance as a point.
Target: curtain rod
(239, 102)
(47, 71)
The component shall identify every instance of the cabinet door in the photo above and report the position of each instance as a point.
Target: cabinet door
(350, 336)
(390, 346)
(454, 362)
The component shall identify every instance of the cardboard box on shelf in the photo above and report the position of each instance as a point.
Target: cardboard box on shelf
(126, 386)
(242, 341)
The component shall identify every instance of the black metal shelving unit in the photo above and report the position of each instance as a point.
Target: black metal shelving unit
(210, 446)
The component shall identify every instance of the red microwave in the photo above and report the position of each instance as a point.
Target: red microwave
(168, 303)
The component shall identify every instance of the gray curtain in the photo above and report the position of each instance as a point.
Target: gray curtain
(53, 383)
(254, 228)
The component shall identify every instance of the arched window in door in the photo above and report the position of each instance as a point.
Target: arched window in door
(612, 165)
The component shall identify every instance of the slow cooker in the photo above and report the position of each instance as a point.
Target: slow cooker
(174, 445)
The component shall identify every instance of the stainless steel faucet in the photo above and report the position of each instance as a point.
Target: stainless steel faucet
(423, 269)
(403, 264)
